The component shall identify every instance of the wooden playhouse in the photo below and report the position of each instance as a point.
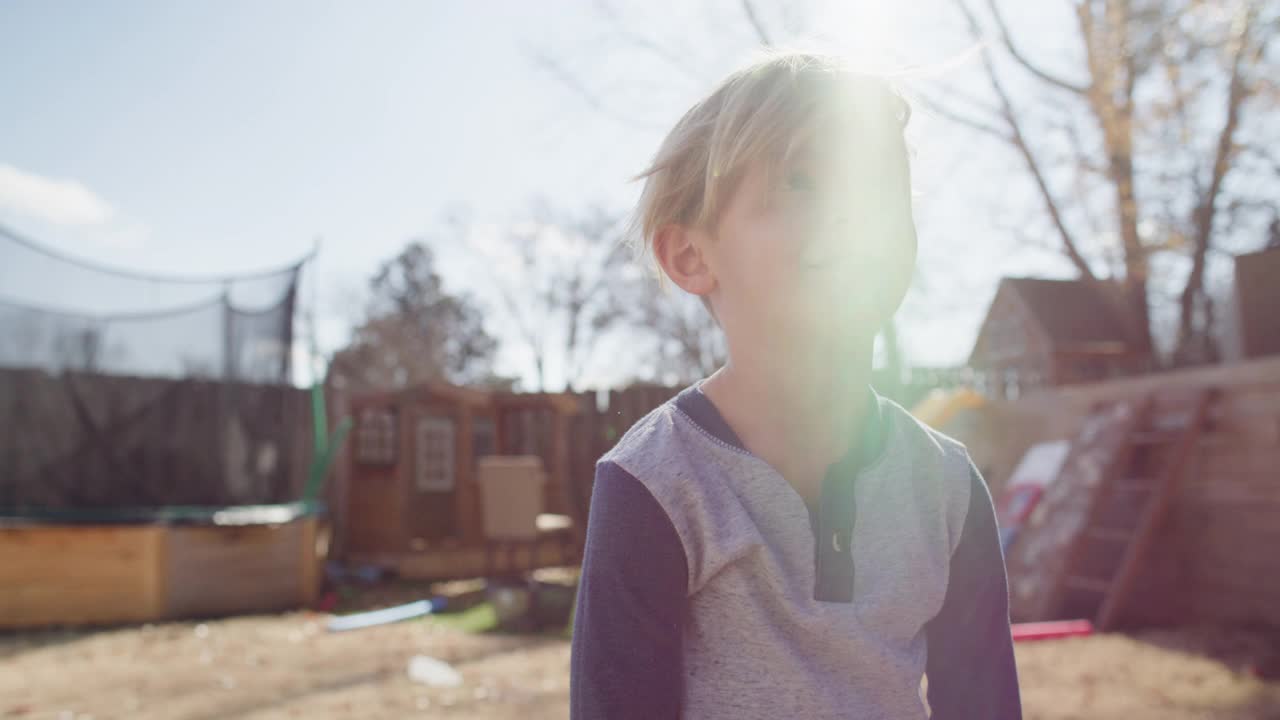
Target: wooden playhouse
(443, 481)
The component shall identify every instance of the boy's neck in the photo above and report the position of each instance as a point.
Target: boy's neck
(800, 417)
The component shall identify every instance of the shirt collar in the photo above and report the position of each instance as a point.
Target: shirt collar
(870, 446)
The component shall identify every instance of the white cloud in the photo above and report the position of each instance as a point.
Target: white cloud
(57, 201)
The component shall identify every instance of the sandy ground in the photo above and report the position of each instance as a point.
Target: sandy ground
(287, 666)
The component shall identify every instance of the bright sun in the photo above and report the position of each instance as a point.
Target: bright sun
(867, 31)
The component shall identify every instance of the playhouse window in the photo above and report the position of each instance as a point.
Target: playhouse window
(433, 448)
(484, 441)
(376, 438)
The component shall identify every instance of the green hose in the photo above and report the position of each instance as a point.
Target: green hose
(326, 445)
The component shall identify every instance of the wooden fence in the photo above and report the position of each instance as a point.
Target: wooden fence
(603, 418)
(592, 431)
(1216, 557)
(1216, 560)
(598, 427)
(80, 440)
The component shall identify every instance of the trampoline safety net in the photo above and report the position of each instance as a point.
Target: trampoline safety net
(121, 389)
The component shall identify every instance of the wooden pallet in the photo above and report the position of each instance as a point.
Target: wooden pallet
(1103, 561)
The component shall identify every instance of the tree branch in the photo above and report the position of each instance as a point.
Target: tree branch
(1019, 142)
(1007, 39)
(672, 59)
(1206, 210)
(1080, 154)
(1237, 93)
(948, 95)
(749, 9)
(571, 82)
(961, 119)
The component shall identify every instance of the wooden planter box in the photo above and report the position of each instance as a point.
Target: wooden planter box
(109, 574)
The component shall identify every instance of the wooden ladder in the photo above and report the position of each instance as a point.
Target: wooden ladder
(1104, 560)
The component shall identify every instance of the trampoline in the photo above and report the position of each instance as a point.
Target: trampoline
(154, 444)
(130, 565)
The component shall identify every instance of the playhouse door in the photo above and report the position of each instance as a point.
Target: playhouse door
(432, 492)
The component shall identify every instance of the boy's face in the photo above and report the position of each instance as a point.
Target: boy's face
(818, 251)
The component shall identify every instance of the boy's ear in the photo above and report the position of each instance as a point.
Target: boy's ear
(682, 259)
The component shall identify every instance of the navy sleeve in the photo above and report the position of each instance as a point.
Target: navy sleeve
(970, 666)
(628, 626)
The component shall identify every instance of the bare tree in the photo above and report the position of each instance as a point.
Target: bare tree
(688, 344)
(414, 332)
(556, 280)
(1151, 141)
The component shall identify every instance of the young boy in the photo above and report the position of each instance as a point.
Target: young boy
(778, 541)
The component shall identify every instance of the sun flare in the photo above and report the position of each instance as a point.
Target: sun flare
(868, 32)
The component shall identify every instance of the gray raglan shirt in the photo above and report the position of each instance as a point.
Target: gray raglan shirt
(710, 589)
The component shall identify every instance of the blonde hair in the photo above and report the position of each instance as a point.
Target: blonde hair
(759, 113)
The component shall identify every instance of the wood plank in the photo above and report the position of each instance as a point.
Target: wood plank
(1250, 571)
(1109, 535)
(1254, 576)
(1144, 538)
(1229, 595)
(1252, 375)
(1234, 594)
(467, 526)
(1239, 521)
(312, 551)
(1080, 582)
(1241, 460)
(1251, 517)
(1235, 610)
(1236, 518)
(1253, 572)
(1201, 490)
(1048, 547)
(1219, 496)
(56, 575)
(1210, 591)
(225, 570)
(1234, 555)
(1246, 401)
(157, 578)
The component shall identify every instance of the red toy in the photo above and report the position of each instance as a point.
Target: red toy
(1051, 630)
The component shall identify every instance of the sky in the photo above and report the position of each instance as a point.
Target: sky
(214, 138)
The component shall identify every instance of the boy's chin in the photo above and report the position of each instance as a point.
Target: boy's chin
(845, 336)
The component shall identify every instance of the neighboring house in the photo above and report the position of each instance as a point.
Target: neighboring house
(1252, 322)
(1056, 332)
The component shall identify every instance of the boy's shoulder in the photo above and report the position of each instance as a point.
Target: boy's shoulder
(918, 445)
(920, 434)
(666, 435)
(661, 436)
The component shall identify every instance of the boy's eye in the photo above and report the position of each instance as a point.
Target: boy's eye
(800, 180)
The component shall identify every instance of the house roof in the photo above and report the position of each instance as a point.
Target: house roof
(1076, 315)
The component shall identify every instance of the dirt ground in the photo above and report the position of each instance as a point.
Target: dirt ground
(288, 666)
